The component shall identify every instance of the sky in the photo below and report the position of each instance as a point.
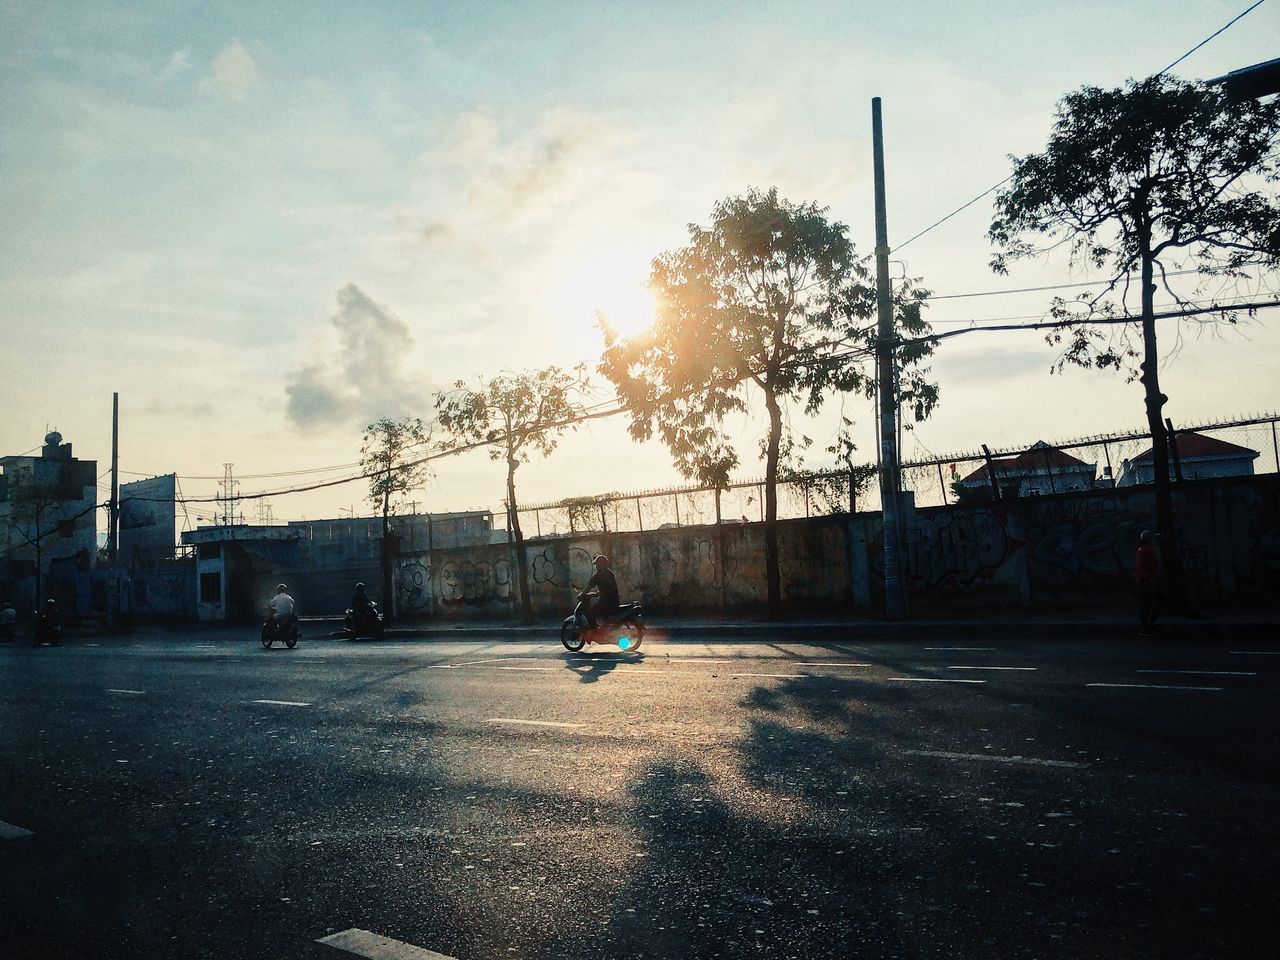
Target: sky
(265, 225)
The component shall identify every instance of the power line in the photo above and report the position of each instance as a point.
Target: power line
(1211, 36)
(1010, 177)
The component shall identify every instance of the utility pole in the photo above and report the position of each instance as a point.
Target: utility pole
(113, 521)
(228, 498)
(894, 598)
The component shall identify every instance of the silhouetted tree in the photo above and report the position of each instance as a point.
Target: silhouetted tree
(388, 456)
(519, 414)
(771, 296)
(1156, 174)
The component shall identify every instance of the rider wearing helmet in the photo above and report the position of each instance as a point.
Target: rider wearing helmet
(360, 600)
(282, 605)
(606, 586)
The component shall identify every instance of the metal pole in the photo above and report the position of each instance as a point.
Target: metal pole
(894, 598)
(942, 485)
(113, 529)
(1275, 447)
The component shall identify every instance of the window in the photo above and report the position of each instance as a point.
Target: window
(210, 588)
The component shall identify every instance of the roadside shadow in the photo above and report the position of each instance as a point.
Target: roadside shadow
(590, 667)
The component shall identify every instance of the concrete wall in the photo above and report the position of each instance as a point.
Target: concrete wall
(1047, 551)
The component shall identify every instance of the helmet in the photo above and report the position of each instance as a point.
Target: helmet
(359, 586)
(282, 588)
(1147, 535)
(600, 560)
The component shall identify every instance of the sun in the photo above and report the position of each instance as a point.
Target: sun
(611, 285)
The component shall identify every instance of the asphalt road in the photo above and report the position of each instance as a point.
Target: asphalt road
(1013, 797)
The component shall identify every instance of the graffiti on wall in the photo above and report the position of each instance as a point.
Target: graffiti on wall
(412, 592)
(473, 582)
(562, 565)
(950, 548)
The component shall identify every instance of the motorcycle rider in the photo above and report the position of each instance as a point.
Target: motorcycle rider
(360, 602)
(282, 607)
(606, 587)
(8, 621)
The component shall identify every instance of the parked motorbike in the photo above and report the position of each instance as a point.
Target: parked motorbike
(365, 622)
(286, 632)
(625, 627)
(48, 632)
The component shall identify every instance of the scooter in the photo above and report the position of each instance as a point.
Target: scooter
(367, 622)
(286, 632)
(625, 627)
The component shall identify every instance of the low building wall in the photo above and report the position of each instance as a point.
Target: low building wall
(1050, 551)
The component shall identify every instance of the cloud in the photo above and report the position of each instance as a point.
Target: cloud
(179, 63)
(367, 377)
(233, 72)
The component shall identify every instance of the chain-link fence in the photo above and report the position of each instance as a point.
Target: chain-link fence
(1231, 448)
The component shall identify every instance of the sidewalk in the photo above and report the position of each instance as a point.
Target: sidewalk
(1256, 624)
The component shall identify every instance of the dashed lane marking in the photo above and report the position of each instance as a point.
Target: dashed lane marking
(533, 723)
(785, 676)
(993, 668)
(1155, 686)
(1207, 673)
(686, 660)
(472, 663)
(959, 648)
(841, 665)
(365, 944)
(995, 758)
(131, 692)
(9, 832)
(282, 703)
(934, 680)
(1257, 653)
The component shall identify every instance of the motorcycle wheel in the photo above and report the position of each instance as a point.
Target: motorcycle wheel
(572, 639)
(291, 639)
(637, 629)
(266, 638)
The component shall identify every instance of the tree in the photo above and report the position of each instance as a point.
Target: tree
(1154, 175)
(771, 297)
(36, 510)
(387, 457)
(519, 414)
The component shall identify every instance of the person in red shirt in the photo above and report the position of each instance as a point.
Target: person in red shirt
(1147, 574)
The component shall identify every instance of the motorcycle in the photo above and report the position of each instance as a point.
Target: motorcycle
(48, 632)
(625, 626)
(365, 622)
(285, 631)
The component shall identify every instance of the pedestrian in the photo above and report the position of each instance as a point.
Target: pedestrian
(1146, 572)
(8, 621)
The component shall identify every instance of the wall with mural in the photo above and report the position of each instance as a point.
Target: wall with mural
(1050, 550)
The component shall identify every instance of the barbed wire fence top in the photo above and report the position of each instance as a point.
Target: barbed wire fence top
(1038, 467)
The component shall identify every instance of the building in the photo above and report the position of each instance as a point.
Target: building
(1038, 471)
(48, 524)
(238, 565)
(1200, 458)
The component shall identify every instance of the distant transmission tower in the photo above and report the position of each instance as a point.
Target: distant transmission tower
(228, 496)
(265, 515)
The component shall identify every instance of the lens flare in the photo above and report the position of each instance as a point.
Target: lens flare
(624, 643)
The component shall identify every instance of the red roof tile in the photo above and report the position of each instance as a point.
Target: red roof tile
(1198, 445)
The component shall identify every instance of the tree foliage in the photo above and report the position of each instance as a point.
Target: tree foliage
(1159, 171)
(518, 415)
(773, 297)
(388, 453)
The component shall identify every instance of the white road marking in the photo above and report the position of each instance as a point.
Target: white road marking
(134, 692)
(534, 669)
(959, 648)
(282, 703)
(1258, 653)
(472, 663)
(787, 676)
(365, 944)
(533, 723)
(993, 668)
(934, 680)
(804, 664)
(9, 832)
(1207, 673)
(679, 660)
(1153, 686)
(993, 758)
